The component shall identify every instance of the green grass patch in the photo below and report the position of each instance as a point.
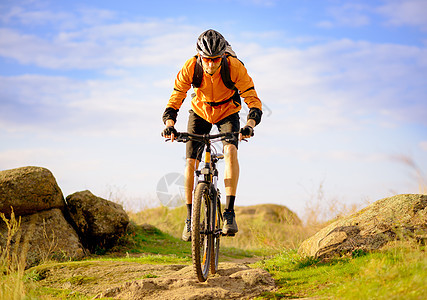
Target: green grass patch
(80, 279)
(395, 273)
(149, 275)
(160, 247)
(230, 253)
(148, 239)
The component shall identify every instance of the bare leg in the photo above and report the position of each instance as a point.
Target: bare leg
(190, 167)
(232, 170)
(231, 177)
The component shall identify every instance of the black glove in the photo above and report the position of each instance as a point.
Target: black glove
(247, 131)
(169, 130)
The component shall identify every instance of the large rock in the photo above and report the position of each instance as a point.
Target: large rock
(43, 236)
(395, 218)
(100, 222)
(268, 213)
(29, 190)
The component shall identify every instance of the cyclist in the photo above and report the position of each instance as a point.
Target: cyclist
(213, 103)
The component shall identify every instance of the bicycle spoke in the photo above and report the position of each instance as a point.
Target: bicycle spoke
(201, 239)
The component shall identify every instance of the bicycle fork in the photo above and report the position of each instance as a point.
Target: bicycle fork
(210, 176)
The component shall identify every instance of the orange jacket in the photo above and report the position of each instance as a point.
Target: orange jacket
(213, 89)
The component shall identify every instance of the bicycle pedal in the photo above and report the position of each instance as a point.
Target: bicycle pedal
(229, 234)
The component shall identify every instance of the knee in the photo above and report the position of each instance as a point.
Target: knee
(191, 164)
(230, 151)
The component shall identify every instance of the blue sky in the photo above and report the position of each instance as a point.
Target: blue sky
(83, 85)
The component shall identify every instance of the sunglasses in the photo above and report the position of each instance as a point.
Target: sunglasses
(214, 59)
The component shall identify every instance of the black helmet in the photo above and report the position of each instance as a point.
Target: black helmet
(211, 43)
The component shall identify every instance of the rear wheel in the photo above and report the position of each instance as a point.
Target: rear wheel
(201, 235)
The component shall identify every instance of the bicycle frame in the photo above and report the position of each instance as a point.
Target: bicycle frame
(209, 171)
(210, 176)
(206, 231)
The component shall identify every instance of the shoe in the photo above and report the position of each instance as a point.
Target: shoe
(186, 233)
(230, 225)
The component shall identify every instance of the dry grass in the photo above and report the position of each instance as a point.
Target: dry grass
(47, 250)
(267, 227)
(256, 233)
(270, 228)
(12, 264)
(417, 175)
(322, 209)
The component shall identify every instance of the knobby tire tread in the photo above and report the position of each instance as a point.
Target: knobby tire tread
(199, 207)
(216, 207)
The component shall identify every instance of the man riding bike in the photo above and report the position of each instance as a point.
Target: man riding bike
(215, 102)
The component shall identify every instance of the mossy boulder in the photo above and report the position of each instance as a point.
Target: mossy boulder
(402, 217)
(29, 190)
(99, 222)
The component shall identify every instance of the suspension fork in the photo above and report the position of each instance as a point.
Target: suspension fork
(211, 177)
(206, 170)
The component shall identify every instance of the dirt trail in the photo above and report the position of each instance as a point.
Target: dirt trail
(131, 280)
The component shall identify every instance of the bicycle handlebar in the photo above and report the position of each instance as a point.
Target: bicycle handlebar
(185, 137)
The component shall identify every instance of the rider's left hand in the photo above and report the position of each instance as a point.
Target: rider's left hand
(246, 132)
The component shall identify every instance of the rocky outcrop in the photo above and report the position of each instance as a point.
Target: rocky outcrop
(29, 190)
(99, 221)
(49, 227)
(396, 218)
(45, 235)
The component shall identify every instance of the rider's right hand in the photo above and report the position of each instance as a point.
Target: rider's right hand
(170, 132)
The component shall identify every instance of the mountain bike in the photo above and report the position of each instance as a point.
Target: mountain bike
(206, 220)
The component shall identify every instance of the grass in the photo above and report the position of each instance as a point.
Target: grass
(149, 245)
(149, 239)
(11, 263)
(46, 293)
(256, 235)
(398, 272)
(140, 244)
(154, 259)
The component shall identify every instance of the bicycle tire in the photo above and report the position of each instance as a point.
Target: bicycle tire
(201, 243)
(217, 233)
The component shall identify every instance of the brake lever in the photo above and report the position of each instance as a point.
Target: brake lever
(182, 140)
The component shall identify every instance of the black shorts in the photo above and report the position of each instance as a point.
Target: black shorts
(198, 125)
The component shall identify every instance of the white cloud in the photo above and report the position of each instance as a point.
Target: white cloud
(96, 118)
(43, 104)
(90, 39)
(408, 12)
(112, 47)
(352, 80)
(39, 13)
(348, 15)
(358, 14)
(327, 85)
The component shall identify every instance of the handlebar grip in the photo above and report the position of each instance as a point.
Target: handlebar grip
(182, 137)
(179, 137)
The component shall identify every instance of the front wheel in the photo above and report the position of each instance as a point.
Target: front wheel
(201, 233)
(217, 231)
